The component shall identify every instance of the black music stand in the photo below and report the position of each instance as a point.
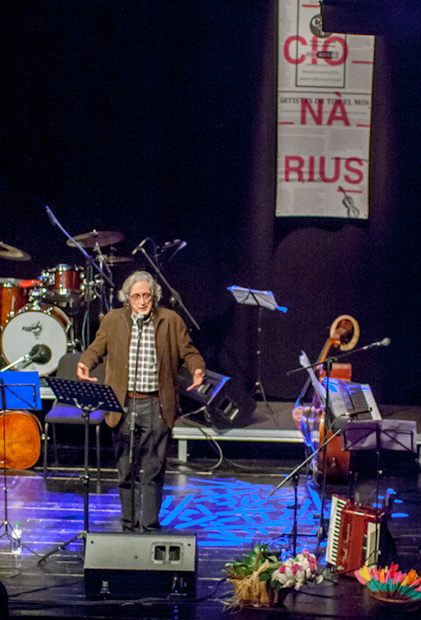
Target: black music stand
(262, 299)
(15, 394)
(380, 435)
(88, 396)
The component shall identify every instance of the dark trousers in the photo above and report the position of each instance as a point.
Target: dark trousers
(149, 455)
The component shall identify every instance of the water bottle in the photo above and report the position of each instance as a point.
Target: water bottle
(16, 543)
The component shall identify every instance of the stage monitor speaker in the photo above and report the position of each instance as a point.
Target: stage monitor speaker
(131, 566)
(225, 404)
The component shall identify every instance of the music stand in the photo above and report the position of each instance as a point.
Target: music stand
(380, 435)
(16, 395)
(262, 299)
(88, 396)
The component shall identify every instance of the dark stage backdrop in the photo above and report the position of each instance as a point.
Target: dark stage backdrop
(158, 119)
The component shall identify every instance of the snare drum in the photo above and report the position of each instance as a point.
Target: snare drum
(63, 282)
(12, 298)
(46, 325)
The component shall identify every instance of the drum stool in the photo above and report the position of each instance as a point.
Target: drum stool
(61, 413)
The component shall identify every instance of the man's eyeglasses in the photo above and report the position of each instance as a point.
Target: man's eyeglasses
(143, 297)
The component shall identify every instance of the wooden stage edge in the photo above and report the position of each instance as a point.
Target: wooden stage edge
(270, 422)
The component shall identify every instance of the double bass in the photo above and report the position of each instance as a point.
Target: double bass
(20, 439)
(310, 416)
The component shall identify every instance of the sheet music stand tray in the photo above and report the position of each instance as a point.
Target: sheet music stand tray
(262, 299)
(18, 390)
(88, 396)
(380, 435)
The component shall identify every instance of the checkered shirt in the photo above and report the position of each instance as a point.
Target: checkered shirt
(147, 374)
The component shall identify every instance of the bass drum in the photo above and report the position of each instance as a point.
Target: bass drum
(45, 325)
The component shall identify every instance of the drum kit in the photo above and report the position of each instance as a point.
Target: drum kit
(45, 310)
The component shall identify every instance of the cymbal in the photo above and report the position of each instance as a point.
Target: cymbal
(100, 237)
(11, 253)
(111, 259)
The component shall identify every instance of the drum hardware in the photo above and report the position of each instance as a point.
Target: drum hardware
(11, 253)
(36, 297)
(91, 239)
(112, 259)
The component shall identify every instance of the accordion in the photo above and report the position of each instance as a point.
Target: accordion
(353, 535)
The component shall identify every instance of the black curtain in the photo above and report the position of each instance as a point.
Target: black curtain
(158, 119)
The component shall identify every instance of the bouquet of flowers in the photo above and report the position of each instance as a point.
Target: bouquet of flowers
(295, 572)
(250, 577)
(261, 579)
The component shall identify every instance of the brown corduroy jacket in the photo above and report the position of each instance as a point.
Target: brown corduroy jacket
(173, 348)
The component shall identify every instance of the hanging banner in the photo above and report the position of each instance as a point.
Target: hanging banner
(324, 112)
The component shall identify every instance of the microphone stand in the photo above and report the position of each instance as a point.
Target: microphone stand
(90, 265)
(175, 297)
(133, 426)
(294, 475)
(334, 358)
(327, 365)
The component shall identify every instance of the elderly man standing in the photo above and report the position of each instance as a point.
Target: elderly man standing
(145, 346)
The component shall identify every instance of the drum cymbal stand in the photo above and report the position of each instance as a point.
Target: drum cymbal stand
(91, 267)
(105, 303)
(13, 395)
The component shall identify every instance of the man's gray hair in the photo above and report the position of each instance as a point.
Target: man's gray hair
(139, 276)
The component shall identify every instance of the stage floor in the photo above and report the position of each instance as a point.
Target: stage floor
(228, 509)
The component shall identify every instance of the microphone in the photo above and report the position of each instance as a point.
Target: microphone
(381, 343)
(138, 247)
(139, 321)
(177, 243)
(51, 216)
(40, 354)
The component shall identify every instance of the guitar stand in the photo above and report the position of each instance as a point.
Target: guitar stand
(88, 397)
